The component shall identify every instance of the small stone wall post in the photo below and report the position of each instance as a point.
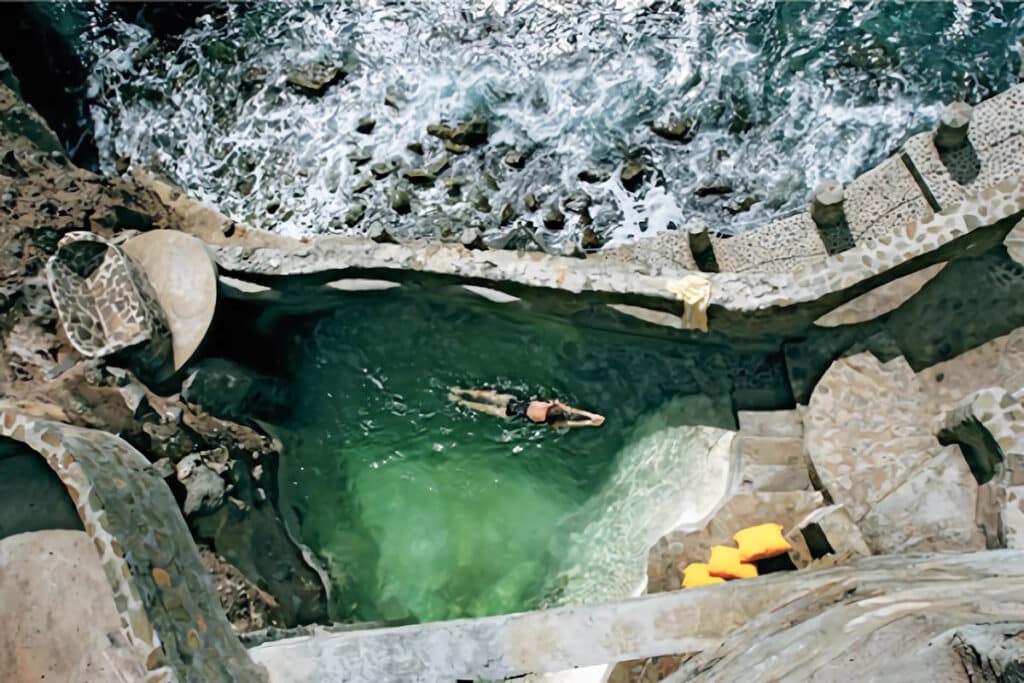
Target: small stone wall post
(953, 124)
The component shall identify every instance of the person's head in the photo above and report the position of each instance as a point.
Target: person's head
(555, 413)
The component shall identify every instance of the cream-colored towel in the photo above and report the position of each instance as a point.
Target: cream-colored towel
(695, 293)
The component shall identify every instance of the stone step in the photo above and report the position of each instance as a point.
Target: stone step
(786, 423)
(774, 479)
(769, 450)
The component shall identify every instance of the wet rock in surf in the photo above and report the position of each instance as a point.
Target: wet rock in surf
(589, 239)
(400, 202)
(577, 202)
(438, 166)
(366, 125)
(360, 157)
(354, 215)
(383, 169)
(515, 160)
(419, 176)
(554, 219)
(472, 239)
(632, 174)
(469, 133)
(677, 130)
(713, 190)
(590, 175)
(313, 79)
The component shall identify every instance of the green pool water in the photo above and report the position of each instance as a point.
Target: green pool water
(423, 510)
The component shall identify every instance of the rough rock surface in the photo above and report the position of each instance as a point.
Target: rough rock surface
(868, 437)
(889, 614)
(59, 634)
(41, 374)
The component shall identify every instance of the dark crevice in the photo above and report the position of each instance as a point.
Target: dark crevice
(919, 179)
(51, 74)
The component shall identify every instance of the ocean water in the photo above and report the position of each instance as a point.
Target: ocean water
(422, 510)
(781, 95)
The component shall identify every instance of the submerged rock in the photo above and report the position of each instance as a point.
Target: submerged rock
(741, 206)
(314, 78)
(415, 147)
(232, 391)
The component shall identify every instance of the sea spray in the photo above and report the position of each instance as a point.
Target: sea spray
(781, 95)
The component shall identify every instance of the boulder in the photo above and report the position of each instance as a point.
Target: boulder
(232, 391)
(53, 632)
(313, 79)
(204, 489)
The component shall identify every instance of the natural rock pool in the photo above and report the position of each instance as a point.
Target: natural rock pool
(424, 510)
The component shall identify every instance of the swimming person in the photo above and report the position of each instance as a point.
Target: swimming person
(552, 413)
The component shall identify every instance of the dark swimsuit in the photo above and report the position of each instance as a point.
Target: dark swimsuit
(517, 408)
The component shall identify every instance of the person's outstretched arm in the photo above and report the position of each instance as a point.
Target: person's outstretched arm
(595, 421)
(577, 411)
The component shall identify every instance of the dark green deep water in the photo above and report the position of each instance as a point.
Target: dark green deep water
(429, 511)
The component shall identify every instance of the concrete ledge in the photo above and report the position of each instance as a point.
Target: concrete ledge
(676, 622)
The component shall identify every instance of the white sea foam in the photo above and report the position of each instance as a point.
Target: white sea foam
(784, 95)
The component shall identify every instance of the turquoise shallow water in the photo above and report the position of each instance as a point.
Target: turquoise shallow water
(427, 511)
